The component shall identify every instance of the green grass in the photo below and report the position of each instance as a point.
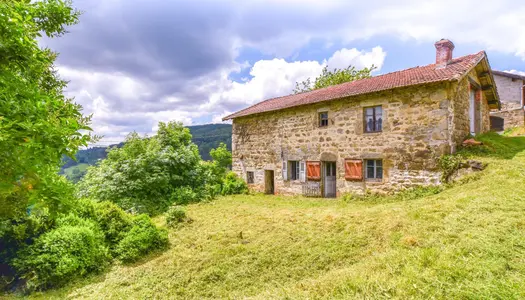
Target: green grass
(466, 242)
(515, 131)
(80, 167)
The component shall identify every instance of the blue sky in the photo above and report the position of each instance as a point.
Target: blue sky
(134, 63)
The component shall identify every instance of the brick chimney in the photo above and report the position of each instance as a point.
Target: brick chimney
(444, 49)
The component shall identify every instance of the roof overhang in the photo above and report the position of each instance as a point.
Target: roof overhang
(488, 84)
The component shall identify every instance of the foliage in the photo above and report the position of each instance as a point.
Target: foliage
(404, 195)
(71, 250)
(222, 156)
(38, 124)
(233, 184)
(176, 214)
(146, 171)
(113, 221)
(206, 137)
(448, 165)
(141, 239)
(184, 195)
(333, 77)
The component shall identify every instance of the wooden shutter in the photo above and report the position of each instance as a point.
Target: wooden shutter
(353, 169)
(302, 171)
(313, 169)
(285, 170)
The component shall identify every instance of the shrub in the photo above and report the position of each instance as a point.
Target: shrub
(142, 238)
(234, 185)
(184, 195)
(85, 208)
(61, 254)
(175, 215)
(448, 165)
(113, 221)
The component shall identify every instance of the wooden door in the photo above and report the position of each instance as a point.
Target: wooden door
(269, 184)
(329, 181)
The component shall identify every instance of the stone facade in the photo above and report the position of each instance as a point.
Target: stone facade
(420, 124)
(510, 91)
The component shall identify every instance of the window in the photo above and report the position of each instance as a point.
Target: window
(373, 119)
(374, 169)
(323, 119)
(250, 178)
(294, 170)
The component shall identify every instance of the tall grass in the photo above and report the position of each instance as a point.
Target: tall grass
(463, 242)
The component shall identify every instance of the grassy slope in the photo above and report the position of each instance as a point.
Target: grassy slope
(80, 167)
(465, 242)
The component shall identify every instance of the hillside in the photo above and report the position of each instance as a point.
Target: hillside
(465, 242)
(206, 137)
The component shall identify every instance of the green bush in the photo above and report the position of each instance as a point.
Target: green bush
(175, 215)
(85, 208)
(184, 195)
(448, 165)
(142, 238)
(113, 221)
(61, 254)
(234, 185)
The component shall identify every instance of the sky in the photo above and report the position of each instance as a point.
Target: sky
(134, 63)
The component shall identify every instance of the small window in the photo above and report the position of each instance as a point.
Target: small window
(250, 177)
(294, 170)
(323, 119)
(374, 169)
(373, 119)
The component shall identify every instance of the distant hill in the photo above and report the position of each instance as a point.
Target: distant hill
(206, 137)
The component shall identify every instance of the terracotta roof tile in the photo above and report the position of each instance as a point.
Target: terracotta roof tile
(413, 76)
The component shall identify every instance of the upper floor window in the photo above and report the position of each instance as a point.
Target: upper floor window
(323, 119)
(373, 119)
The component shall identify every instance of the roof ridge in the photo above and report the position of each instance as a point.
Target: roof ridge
(342, 90)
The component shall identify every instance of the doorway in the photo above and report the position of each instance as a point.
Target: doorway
(329, 181)
(269, 183)
(475, 111)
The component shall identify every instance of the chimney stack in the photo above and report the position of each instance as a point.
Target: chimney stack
(444, 49)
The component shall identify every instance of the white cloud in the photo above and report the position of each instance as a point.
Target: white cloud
(515, 72)
(277, 77)
(269, 78)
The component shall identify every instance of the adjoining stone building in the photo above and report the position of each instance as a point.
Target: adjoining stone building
(511, 90)
(380, 134)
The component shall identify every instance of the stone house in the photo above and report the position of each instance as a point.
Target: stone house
(511, 90)
(382, 133)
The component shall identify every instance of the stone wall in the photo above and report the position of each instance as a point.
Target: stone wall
(460, 110)
(509, 89)
(510, 93)
(512, 117)
(418, 126)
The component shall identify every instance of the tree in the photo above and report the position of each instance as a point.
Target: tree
(336, 76)
(147, 171)
(222, 156)
(38, 124)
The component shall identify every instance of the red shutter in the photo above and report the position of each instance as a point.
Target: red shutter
(313, 169)
(353, 169)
